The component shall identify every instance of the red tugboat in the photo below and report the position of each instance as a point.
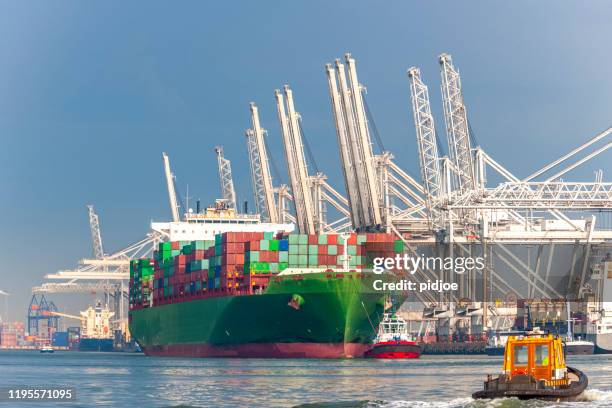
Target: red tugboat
(393, 340)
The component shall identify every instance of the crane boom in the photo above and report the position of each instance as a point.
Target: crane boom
(171, 190)
(371, 195)
(457, 130)
(296, 161)
(69, 316)
(355, 145)
(225, 178)
(426, 142)
(346, 162)
(260, 169)
(96, 238)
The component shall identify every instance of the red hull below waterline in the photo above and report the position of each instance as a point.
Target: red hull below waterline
(261, 350)
(394, 350)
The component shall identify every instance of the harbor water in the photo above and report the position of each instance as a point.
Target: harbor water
(122, 379)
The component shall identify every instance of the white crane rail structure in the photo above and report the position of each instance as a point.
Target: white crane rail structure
(225, 178)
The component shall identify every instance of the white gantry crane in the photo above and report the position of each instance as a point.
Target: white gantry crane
(171, 189)
(296, 162)
(96, 237)
(372, 182)
(427, 145)
(225, 178)
(263, 190)
(457, 128)
(356, 155)
(311, 193)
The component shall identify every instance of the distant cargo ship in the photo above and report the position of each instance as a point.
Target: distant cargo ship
(95, 333)
(260, 294)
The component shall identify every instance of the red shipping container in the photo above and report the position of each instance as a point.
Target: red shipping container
(254, 245)
(175, 245)
(322, 249)
(332, 239)
(352, 239)
(240, 258)
(313, 239)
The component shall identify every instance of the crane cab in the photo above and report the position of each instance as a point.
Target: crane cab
(540, 356)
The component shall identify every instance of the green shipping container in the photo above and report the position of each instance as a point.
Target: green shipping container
(294, 259)
(332, 250)
(294, 239)
(303, 240)
(264, 245)
(303, 249)
(294, 249)
(273, 245)
(313, 249)
(323, 239)
(398, 246)
(283, 256)
(268, 235)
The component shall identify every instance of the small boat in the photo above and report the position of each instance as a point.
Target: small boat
(578, 347)
(572, 346)
(496, 343)
(534, 368)
(393, 340)
(46, 349)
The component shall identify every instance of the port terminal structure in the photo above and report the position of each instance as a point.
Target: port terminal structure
(453, 210)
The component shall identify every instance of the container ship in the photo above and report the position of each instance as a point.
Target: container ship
(260, 294)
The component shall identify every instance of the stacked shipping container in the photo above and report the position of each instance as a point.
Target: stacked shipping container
(243, 262)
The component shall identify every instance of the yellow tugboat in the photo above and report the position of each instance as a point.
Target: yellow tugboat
(534, 368)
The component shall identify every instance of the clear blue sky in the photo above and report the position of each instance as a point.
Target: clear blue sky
(91, 93)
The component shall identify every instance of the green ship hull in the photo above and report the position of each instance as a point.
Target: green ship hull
(306, 315)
